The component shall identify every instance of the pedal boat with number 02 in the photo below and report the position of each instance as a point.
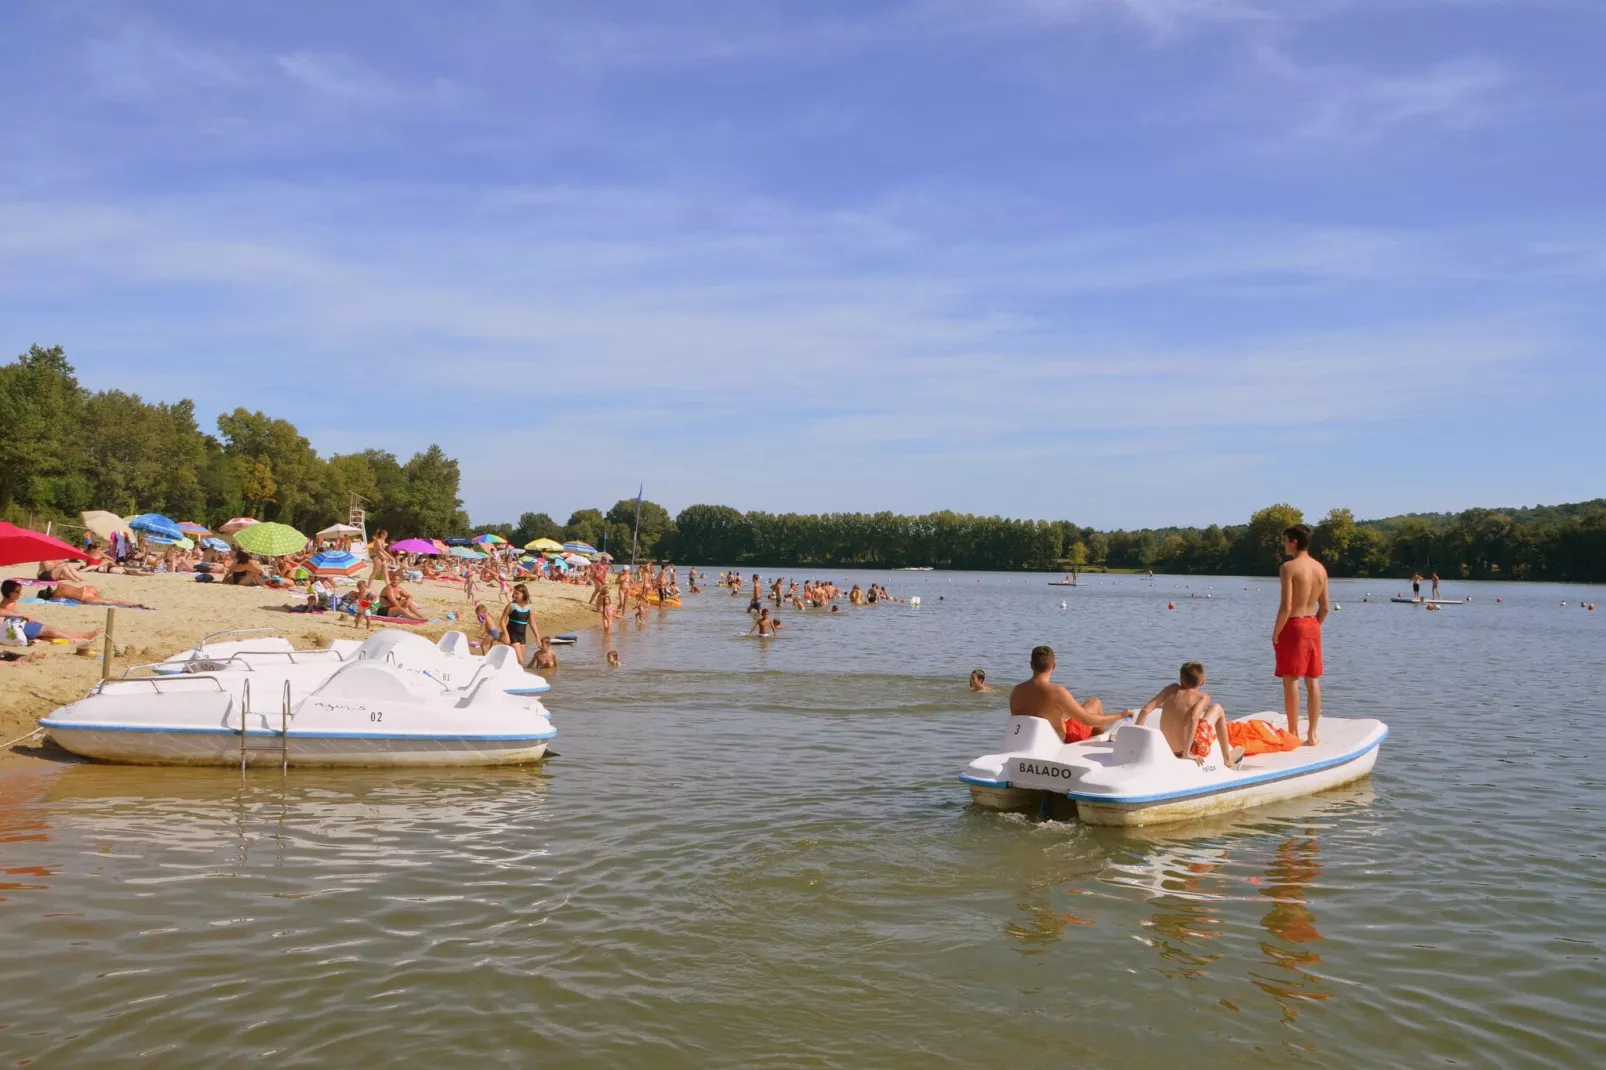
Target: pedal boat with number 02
(1131, 777)
(364, 713)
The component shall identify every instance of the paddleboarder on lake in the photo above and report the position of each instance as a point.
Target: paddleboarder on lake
(1297, 635)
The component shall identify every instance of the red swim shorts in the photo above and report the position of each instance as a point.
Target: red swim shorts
(1076, 731)
(1299, 648)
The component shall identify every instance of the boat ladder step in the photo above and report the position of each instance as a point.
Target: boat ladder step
(276, 743)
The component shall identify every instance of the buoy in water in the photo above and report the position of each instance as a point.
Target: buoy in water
(1062, 603)
(1171, 605)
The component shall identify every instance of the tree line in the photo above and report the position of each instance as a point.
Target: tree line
(1565, 542)
(64, 449)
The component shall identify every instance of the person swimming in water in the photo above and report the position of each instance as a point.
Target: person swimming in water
(1190, 722)
(765, 626)
(978, 681)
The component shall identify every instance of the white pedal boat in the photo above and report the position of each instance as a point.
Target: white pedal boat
(447, 661)
(366, 713)
(1132, 778)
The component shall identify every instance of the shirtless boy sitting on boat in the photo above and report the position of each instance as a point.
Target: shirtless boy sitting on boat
(1190, 722)
(1041, 697)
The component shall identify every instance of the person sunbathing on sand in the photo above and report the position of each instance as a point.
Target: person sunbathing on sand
(11, 594)
(59, 570)
(394, 601)
(1190, 722)
(245, 572)
(89, 596)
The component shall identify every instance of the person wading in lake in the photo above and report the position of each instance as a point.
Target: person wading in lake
(1297, 635)
(1041, 697)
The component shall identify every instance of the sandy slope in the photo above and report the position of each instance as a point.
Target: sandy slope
(186, 611)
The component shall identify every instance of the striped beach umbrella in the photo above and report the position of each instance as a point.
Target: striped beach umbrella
(270, 540)
(230, 527)
(489, 539)
(335, 563)
(190, 527)
(579, 548)
(467, 554)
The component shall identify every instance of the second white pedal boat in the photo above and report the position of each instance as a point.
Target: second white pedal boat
(362, 706)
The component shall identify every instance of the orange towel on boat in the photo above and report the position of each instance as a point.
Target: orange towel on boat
(1260, 737)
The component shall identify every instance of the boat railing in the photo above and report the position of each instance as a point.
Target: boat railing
(266, 630)
(203, 664)
(156, 681)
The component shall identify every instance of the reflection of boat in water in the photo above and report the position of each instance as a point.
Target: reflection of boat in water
(1428, 601)
(1133, 778)
(392, 700)
(1063, 583)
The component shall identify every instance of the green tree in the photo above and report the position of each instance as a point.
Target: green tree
(655, 524)
(585, 525)
(532, 526)
(41, 430)
(1260, 547)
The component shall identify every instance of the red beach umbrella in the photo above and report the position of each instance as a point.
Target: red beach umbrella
(18, 545)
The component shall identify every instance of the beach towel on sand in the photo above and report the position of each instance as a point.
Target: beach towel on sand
(1260, 737)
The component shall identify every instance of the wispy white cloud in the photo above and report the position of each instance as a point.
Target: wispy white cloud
(1351, 105)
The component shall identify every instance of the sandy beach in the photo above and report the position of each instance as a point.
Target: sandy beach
(186, 611)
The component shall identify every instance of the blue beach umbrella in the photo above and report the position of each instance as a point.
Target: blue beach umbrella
(156, 524)
(579, 547)
(214, 544)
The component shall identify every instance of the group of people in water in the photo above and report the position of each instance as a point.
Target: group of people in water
(1191, 721)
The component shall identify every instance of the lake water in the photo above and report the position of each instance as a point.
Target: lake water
(757, 854)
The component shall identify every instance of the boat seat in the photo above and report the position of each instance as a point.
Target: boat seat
(453, 644)
(1031, 735)
(1140, 745)
(499, 656)
(368, 681)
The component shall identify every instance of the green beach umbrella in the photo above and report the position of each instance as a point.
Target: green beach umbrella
(271, 540)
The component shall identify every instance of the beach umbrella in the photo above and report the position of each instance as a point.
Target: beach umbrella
(155, 524)
(101, 524)
(335, 563)
(467, 554)
(190, 527)
(214, 544)
(544, 544)
(459, 540)
(338, 529)
(579, 548)
(414, 546)
(270, 540)
(489, 539)
(235, 525)
(19, 545)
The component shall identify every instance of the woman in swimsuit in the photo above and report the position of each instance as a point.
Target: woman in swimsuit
(89, 596)
(516, 620)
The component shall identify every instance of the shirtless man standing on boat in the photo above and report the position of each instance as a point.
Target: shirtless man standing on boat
(1041, 697)
(1297, 635)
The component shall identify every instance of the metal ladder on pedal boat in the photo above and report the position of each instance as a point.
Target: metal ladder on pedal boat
(277, 741)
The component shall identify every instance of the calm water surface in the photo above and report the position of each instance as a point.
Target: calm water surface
(753, 853)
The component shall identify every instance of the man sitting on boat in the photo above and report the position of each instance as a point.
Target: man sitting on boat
(1075, 721)
(1190, 722)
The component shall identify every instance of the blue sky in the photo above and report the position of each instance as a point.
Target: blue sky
(1126, 262)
